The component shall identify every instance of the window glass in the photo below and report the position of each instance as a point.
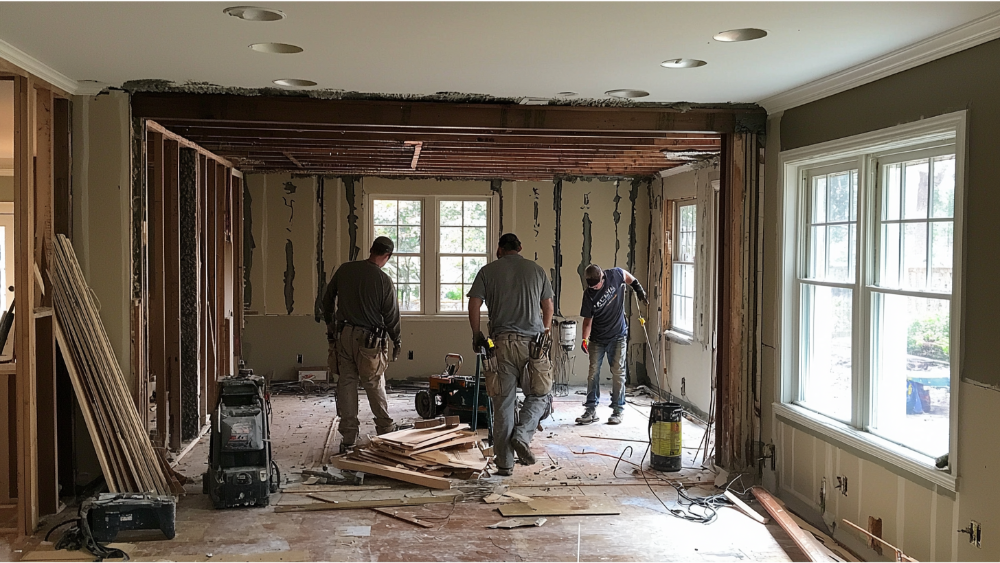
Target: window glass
(682, 280)
(826, 346)
(462, 248)
(400, 220)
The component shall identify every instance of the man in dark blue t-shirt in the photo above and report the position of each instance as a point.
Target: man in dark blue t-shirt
(605, 332)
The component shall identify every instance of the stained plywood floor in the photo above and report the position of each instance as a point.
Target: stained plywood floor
(643, 532)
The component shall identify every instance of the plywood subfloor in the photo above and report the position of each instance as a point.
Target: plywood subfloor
(643, 532)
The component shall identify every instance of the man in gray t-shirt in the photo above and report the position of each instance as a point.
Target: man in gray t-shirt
(518, 295)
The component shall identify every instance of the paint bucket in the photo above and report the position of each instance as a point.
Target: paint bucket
(567, 335)
(665, 436)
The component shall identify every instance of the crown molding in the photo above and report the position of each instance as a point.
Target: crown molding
(976, 32)
(36, 67)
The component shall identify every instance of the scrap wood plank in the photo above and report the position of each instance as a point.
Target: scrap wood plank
(900, 556)
(432, 423)
(518, 523)
(391, 473)
(375, 503)
(300, 490)
(742, 507)
(804, 540)
(467, 439)
(404, 517)
(561, 507)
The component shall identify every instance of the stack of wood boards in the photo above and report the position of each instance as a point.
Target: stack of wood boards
(124, 450)
(423, 456)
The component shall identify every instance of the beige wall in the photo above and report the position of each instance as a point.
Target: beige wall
(919, 517)
(692, 362)
(101, 210)
(429, 338)
(6, 188)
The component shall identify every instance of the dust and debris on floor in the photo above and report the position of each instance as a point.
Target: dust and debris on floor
(592, 469)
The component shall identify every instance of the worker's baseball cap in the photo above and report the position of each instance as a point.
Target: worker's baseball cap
(593, 275)
(382, 245)
(509, 242)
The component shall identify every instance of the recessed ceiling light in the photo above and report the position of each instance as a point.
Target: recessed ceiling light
(294, 82)
(682, 63)
(627, 93)
(255, 14)
(744, 34)
(283, 48)
(565, 94)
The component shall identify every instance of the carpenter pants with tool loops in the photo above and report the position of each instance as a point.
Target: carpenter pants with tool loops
(516, 368)
(360, 364)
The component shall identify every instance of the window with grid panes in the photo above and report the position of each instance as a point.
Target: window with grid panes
(682, 281)
(875, 266)
(401, 220)
(462, 250)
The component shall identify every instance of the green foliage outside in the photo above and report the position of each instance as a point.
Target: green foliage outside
(929, 338)
(454, 295)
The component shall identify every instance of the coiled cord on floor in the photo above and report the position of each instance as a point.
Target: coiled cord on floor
(80, 536)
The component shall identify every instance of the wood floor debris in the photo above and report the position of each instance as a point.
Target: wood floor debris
(423, 456)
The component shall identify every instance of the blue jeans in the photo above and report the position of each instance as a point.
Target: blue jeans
(615, 351)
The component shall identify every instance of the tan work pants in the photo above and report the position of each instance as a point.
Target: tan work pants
(365, 366)
(515, 368)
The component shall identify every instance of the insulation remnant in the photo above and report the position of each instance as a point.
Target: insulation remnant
(248, 246)
(320, 247)
(289, 277)
(190, 298)
(557, 188)
(352, 218)
(496, 186)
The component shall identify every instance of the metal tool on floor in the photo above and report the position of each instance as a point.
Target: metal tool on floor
(451, 394)
(241, 471)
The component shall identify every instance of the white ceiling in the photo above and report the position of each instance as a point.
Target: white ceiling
(500, 49)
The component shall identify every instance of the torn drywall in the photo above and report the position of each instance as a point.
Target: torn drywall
(352, 218)
(190, 295)
(320, 245)
(557, 188)
(289, 277)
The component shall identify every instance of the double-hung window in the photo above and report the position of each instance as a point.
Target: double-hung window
(441, 243)
(682, 280)
(872, 251)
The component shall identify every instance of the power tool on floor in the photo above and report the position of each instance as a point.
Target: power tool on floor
(451, 394)
(241, 471)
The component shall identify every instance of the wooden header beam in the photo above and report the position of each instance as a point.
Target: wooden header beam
(221, 107)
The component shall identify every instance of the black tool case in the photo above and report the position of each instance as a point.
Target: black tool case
(111, 513)
(241, 471)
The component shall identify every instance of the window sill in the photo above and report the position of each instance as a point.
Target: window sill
(678, 337)
(463, 316)
(906, 460)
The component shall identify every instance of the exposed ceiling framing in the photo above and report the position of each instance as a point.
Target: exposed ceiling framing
(443, 140)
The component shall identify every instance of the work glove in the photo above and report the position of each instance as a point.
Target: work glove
(479, 341)
(639, 291)
(583, 345)
(397, 346)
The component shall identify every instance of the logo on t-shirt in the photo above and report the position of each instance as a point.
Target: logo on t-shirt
(609, 295)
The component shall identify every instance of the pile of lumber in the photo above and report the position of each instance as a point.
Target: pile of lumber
(422, 456)
(126, 455)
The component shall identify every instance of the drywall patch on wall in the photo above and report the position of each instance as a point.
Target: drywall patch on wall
(320, 246)
(248, 246)
(557, 189)
(352, 218)
(496, 186)
(289, 277)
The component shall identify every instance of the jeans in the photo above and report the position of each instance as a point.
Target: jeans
(615, 351)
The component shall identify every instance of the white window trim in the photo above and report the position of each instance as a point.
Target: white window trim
(791, 163)
(430, 282)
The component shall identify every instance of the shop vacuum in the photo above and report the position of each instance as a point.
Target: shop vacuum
(241, 471)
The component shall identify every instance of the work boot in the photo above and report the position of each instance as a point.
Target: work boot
(523, 451)
(504, 471)
(615, 418)
(346, 448)
(589, 416)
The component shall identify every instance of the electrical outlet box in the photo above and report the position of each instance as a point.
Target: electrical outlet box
(976, 534)
(683, 387)
(409, 355)
(298, 358)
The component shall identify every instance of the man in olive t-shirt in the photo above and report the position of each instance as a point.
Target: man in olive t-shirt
(518, 295)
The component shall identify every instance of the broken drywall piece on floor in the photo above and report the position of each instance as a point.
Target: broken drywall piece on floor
(518, 523)
(355, 531)
(722, 478)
